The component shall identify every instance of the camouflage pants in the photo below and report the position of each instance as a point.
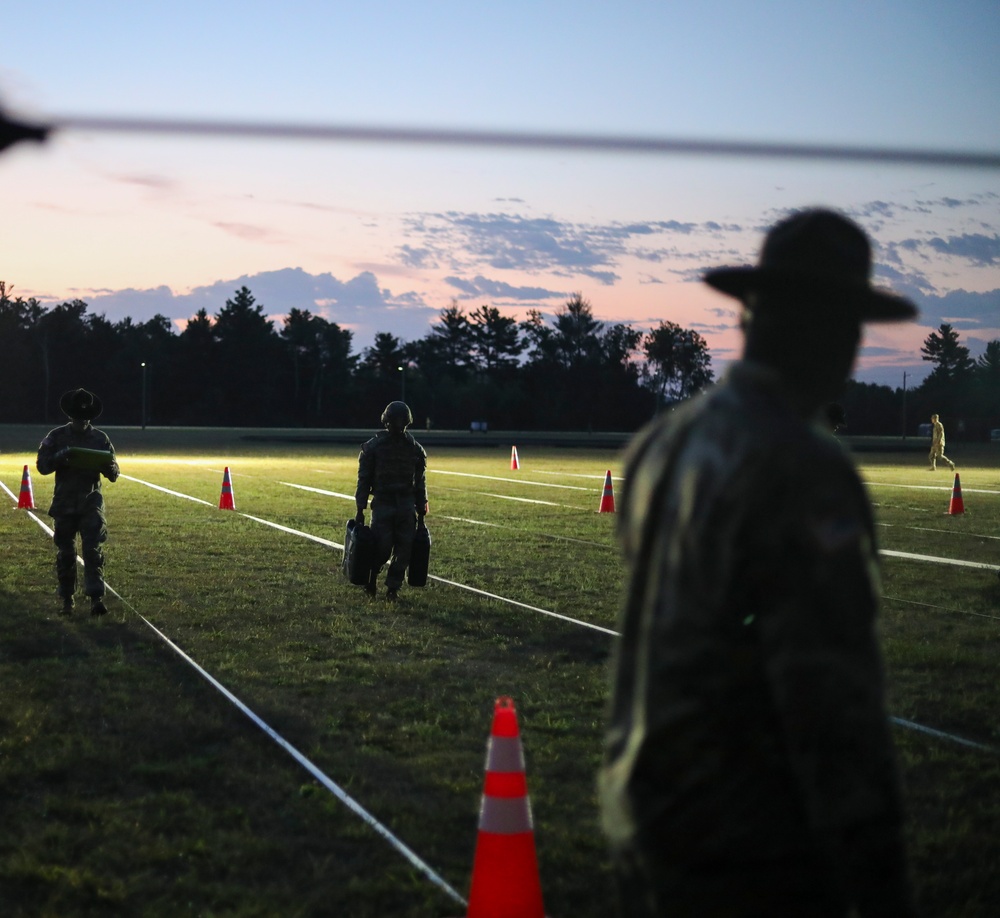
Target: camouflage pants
(93, 529)
(394, 521)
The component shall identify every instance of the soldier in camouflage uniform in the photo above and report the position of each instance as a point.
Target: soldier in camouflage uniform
(392, 469)
(77, 501)
(937, 444)
(749, 769)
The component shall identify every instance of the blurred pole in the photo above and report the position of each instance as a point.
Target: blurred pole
(904, 404)
(402, 371)
(144, 395)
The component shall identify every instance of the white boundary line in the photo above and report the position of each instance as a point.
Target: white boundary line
(456, 519)
(521, 481)
(608, 631)
(308, 765)
(948, 488)
(933, 560)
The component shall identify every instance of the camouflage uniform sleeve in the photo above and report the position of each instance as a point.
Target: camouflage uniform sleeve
(824, 669)
(419, 476)
(46, 461)
(366, 475)
(112, 471)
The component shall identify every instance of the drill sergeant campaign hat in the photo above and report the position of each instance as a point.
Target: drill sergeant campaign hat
(80, 405)
(815, 252)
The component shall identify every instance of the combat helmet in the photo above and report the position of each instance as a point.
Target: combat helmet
(397, 416)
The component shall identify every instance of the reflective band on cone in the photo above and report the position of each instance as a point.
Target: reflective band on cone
(26, 499)
(226, 501)
(505, 881)
(514, 464)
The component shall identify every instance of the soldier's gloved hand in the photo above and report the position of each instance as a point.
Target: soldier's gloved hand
(360, 518)
(111, 471)
(422, 509)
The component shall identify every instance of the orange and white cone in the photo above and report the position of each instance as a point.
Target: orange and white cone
(26, 499)
(957, 505)
(226, 501)
(514, 464)
(505, 881)
(608, 497)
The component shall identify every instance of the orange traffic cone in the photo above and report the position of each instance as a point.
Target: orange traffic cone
(226, 501)
(957, 505)
(26, 499)
(505, 882)
(608, 497)
(514, 464)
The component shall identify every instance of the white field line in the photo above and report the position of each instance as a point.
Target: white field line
(523, 481)
(306, 763)
(600, 478)
(349, 497)
(598, 627)
(975, 535)
(948, 488)
(934, 560)
(457, 519)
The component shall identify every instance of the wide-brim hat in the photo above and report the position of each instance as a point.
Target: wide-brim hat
(816, 252)
(80, 405)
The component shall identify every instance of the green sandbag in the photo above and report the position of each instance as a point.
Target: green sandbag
(90, 460)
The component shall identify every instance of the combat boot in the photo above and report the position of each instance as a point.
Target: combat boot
(67, 606)
(392, 594)
(97, 606)
(370, 586)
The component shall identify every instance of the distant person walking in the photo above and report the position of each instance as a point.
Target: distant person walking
(79, 454)
(937, 444)
(392, 469)
(749, 770)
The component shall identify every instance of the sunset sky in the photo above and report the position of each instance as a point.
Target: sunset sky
(381, 238)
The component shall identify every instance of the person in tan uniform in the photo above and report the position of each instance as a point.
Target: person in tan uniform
(937, 444)
(749, 770)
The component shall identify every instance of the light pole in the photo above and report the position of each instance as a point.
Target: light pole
(402, 378)
(904, 404)
(144, 395)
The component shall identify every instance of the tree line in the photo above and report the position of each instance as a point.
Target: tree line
(236, 368)
(570, 372)
(964, 391)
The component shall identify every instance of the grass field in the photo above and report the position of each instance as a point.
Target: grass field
(129, 785)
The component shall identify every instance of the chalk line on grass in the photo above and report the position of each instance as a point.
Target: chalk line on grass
(521, 481)
(318, 490)
(940, 734)
(948, 487)
(979, 565)
(156, 487)
(929, 605)
(598, 627)
(975, 535)
(306, 763)
(457, 519)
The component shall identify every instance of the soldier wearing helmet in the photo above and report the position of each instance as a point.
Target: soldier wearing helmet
(392, 470)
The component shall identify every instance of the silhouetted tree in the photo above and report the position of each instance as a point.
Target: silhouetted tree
(678, 360)
(947, 387)
(249, 362)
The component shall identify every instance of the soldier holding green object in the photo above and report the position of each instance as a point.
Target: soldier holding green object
(79, 454)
